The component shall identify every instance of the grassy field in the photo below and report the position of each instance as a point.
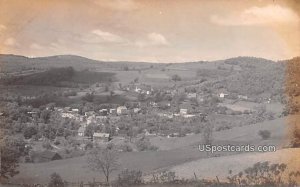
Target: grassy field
(173, 151)
(155, 77)
(238, 134)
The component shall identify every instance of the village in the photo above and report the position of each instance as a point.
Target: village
(100, 127)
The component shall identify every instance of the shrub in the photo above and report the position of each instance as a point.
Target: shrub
(56, 181)
(223, 127)
(145, 145)
(129, 178)
(88, 145)
(164, 177)
(264, 174)
(110, 146)
(264, 134)
(295, 139)
(126, 148)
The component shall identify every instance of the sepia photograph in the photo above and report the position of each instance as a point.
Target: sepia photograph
(149, 93)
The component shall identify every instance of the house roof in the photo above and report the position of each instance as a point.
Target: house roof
(122, 107)
(100, 135)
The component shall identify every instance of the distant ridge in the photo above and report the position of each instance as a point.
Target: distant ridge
(79, 59)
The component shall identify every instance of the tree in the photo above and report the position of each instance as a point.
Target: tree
(30, 131)
(45, 115)
(207, 134)
(144, 145)
(295, 136)
(104, 161)
(207, 131)
(89, 131)
(10, 152)
(9, 162)
(56, 181)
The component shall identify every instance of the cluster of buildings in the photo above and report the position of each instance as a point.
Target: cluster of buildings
(183, 112)
(101, 117)
(141, 89)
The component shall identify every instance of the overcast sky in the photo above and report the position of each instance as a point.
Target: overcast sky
(151, 30)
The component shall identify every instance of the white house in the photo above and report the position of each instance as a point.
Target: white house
(191, 95)
(137, 89)
(223, 95)
(75, 110)
(121, 110)
(136, 110)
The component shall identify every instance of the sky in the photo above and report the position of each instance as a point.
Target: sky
(151, 30)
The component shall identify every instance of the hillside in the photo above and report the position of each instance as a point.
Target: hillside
(58, 76)
(11, 63)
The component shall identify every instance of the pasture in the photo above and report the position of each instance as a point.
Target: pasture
(172, 152)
